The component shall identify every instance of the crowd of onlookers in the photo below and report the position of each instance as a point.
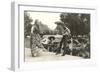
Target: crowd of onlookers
(76, 46)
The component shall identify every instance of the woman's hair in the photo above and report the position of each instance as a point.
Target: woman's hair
(36, 23)
(35, 27)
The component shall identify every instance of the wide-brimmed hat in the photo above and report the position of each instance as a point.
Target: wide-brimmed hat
(51, 37)
(59, 22)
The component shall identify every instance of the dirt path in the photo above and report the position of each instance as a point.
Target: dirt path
(47, 56)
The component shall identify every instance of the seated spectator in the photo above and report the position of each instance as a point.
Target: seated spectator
(83, 51)
(51, 43)
(45, 41)
(75, 50)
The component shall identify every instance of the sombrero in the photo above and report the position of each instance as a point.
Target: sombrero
(51, 37)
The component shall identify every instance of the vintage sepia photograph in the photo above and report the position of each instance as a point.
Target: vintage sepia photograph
(53, 36)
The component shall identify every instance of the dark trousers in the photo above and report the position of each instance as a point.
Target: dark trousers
(65, 46)
(66, 51)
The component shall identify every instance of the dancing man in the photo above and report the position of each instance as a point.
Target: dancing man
(64, 41)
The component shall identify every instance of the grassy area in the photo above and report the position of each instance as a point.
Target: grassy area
(27, 42)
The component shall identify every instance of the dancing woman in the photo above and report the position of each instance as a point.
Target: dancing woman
(35, 41)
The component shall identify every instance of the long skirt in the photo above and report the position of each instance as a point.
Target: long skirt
(35, 44)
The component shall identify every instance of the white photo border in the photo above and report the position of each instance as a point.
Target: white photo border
(17, 60)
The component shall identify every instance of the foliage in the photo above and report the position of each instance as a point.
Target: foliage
(79, 24)
(27, 24)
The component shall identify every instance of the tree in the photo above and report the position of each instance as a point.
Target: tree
(79, 24)
(27, 24)
(43, 29)
(86, 20)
